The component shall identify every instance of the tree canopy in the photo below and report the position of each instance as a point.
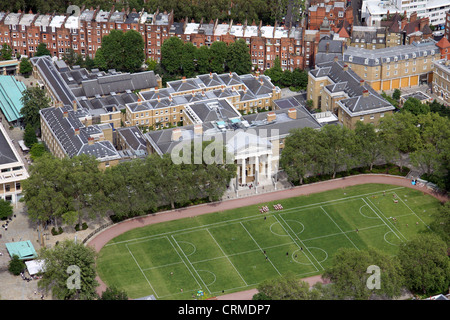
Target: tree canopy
(123, 51)
(425, 264)
(33, 99)
(185, 59)
(69, 271)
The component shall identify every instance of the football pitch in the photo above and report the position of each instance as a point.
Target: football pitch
(235, 250)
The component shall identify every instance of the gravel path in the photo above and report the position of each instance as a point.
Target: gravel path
(99, 240)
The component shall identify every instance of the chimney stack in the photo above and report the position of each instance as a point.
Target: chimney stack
(176, 134)
(74, 104)
(76, 131)
(345, 67)
(65, 114)
(292, 113)
(90, 141)
(365, 93)
(198, 129)
(271, 116)
(361, 82)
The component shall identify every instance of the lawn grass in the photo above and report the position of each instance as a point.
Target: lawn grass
(235, 250)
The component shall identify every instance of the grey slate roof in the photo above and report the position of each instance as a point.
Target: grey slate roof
(119, 83)
(211, 110)
(133, 138)
(73, 144)
(383, 55)
(291, 102)
(54, 79)
(363, 104)
(353, 87)
(6, 153)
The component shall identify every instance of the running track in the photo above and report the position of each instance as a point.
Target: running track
(100, 239)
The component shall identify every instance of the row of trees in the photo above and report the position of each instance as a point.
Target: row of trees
(69, 190)
(421, 266)
(424, 137)
(184, 59)
(268, 11)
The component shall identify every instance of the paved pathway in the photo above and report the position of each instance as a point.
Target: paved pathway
(99, 240)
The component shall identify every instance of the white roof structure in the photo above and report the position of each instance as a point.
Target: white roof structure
(72, 23)
(57, 21)
(35, 266)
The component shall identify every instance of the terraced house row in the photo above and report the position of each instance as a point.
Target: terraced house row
(62, 32)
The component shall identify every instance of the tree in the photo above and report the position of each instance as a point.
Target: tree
(287, 78)
(370, 146)
(218, 54)
(41, 50)
(123, 51)
(285, 287)
(65, 264)
(37, 150)
(82, 186)
(6, 52)
(299, 154)
(214, 173)
(133, 51)
(396, 94)
(275, 73)
(350, 276)
(238, 57)
(202, 56)
(188, 55)
(25, 67)
(171, 51)
(29, 136)
(440, 224)
(336, 149)
(99, 60)
(432, 148)
(6, 209)
(112, 293)
(172, 181)
(43, 191)
(415, 106)
(425, 263)
(129, 189)
(33, 99)
(300, 79)
(399, 134)
(16, 266)
(151, 64)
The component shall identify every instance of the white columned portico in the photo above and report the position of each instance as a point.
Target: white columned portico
(256, 173)
(244, 174)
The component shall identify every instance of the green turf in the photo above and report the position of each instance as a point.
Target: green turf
(235, 250)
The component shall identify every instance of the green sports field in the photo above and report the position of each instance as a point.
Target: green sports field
(235, 250)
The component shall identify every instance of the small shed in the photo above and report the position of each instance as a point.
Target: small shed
(23, 249)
